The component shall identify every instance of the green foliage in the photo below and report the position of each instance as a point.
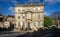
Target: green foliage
(47, 21)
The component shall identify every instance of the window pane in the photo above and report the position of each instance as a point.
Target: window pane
(28, 15)
(23, 24)
(34, 24)
(38, 23)
(33, 9)
(33, 16)
(18, 17)
(18, 23)
(23, 10)
(18, 10)
(39, 9)
(38, 16)
(23, 16)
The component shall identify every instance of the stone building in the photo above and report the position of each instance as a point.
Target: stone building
(58, 24)
(5, 21)
(29, 16)
(1, 21)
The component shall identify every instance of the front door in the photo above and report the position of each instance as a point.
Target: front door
(28, 25)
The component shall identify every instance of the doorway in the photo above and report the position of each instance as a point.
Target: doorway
(28, 26)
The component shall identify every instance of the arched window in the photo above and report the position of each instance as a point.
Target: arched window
(28, 15)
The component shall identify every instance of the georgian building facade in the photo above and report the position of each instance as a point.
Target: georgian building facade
(29, 16)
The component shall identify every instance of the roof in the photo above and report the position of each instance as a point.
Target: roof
(29, 4)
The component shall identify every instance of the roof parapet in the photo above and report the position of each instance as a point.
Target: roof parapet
(29, 4)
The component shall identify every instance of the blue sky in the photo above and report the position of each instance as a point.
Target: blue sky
(7, 6)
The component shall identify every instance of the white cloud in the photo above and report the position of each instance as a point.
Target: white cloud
(48, 0)
(11, 9)
(52, 1)
(45, 13)
(13, 1)
(34, 0)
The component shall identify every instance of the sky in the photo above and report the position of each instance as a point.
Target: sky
(7, 6)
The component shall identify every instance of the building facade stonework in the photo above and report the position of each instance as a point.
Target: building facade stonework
(29, 17)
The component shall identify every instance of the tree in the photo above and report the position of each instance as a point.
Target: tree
(55, 16)
(47, 21)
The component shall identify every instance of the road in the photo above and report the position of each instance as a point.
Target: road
(11, 34)
(34, 34)
(43, 34)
